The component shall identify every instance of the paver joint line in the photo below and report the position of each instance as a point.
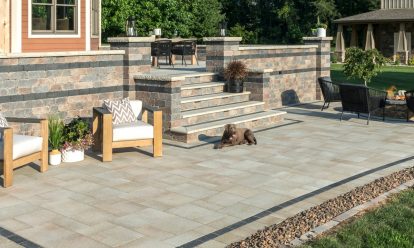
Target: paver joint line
(294, 201)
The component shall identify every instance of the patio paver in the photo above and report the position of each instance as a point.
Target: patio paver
(139, 201)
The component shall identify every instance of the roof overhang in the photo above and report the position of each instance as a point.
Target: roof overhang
(379, 16)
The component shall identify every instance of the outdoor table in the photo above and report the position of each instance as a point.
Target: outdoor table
(176, 40)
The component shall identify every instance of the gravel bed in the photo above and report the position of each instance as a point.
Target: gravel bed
(281, 234)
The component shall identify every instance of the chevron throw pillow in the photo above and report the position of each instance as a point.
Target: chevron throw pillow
(3, 121)
(121, 111)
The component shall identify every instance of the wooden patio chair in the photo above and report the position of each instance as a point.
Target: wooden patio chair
(18, 150)
(108, 136)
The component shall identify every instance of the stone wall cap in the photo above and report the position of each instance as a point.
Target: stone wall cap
(61, 54)
(131, 39)
(228, 39)
(317, 38)
(276, 47)
(171, 78)
(260, 70)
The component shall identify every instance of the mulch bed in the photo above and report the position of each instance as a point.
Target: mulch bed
(280, 235)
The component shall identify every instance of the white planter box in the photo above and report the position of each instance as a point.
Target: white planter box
(71, 155)
(321, 32)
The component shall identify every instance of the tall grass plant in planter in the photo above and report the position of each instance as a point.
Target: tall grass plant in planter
(77, 138)
(235, 73)
(55, 139)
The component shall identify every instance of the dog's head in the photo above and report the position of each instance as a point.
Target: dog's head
(230, 129)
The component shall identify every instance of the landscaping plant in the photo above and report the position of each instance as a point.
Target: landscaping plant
(55, 132)
(77, 135)
(363, 65)
(235, 73)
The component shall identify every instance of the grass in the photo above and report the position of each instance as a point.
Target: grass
(391, 225)
(401, 77)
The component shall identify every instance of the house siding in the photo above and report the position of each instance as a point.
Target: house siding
(52, 44)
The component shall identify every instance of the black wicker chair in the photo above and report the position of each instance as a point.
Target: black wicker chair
(362, 100)
(162, 48)
(409, 98)
(185, 48)
(330, 91)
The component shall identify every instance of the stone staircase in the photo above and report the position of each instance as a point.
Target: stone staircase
(206, 108)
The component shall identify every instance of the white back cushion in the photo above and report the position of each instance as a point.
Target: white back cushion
(136, 108)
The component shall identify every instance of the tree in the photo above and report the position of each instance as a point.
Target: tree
(206, 15)
(363, 65)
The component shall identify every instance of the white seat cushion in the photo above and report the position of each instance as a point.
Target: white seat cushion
(136, 108)
(23, 146)
(132, 131)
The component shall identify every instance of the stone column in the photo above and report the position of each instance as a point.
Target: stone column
(137, 58)
(220, 51)
(323, 59)
(370, 41)
(402, 47)
(340, 44)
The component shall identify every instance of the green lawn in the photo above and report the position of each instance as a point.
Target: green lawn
(400, 76)
(389, 226)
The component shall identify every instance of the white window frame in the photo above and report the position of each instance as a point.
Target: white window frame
(53, 35)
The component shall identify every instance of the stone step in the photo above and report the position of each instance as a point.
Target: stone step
(208, 130)
(220, 112)
(213, 100)
(202, 77)
(201, 89)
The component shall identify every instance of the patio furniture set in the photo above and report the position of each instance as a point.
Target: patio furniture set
(360, 99)
(168, 49)
(119, 124)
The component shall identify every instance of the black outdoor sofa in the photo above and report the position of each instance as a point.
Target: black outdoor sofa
(357, 99)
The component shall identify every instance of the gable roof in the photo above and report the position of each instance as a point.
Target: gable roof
(383, 15)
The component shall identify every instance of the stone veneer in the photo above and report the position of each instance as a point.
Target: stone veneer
(67, 83)
(279, 75)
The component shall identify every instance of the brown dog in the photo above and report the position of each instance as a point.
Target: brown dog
(236, 136)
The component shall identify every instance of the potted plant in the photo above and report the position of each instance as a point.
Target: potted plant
(321, 29)
(55, 139)
(77, 138)
(235, 73)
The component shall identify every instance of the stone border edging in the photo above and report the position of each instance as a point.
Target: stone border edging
(282, 234)
(344, 217)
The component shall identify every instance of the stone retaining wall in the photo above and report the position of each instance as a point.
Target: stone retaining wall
(68, 84)
(279, 75)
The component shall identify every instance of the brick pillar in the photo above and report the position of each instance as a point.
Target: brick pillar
(137, 58)
(323, 59)
(220, 51)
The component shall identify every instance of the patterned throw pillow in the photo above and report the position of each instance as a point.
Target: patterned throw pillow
(3, 121)
(121, 111)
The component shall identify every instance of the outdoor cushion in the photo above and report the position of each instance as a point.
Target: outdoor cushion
(3, 121)
(23, 145)
(121, 111)
(132, 131)
(136, 108)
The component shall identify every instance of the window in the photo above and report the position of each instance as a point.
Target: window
(95, 18)
(54, 16)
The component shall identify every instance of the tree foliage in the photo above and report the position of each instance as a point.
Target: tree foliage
(259, 21)
(363, 65)
(186, 17)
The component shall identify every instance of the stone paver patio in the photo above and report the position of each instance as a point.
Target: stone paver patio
(202, 196)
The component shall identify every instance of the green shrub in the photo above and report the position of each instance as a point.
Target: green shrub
(363, 65)
(334, 58)
(411, 61)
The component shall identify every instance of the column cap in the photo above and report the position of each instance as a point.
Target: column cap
(131, 39)
(222, 39)
(317, 38)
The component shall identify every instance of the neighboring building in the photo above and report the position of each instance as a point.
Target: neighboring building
(389, 30)
(49, 25)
